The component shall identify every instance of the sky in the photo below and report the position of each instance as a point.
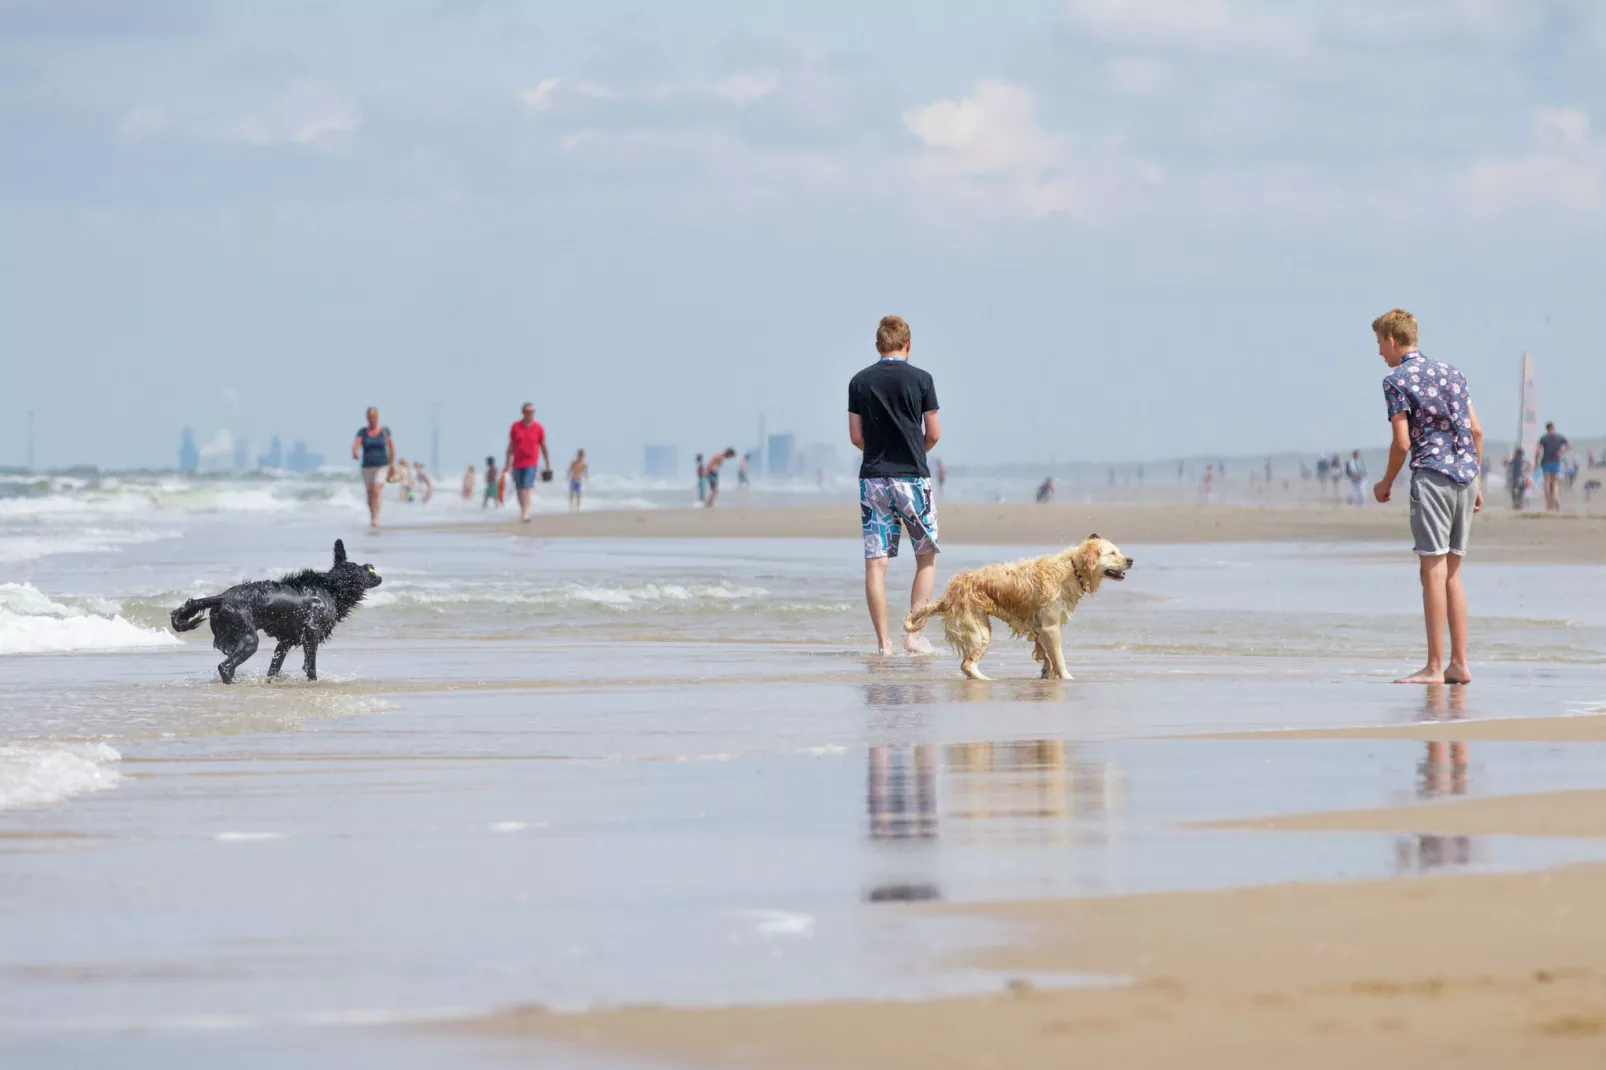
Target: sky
(1120, 229)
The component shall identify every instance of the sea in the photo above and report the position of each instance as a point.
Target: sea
(590, 773)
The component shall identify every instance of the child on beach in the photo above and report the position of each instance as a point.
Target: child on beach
(579, 471)
(491, 494)
(1436, 427)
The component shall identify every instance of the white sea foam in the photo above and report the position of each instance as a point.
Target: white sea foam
(572, 594)
(774, 923)
(33, 623)
(38, 774)
(249, 837)
(31, 545)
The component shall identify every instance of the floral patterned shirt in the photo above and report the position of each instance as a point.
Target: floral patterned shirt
(1438, 406)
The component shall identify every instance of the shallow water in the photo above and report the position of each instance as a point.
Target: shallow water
(585, 772)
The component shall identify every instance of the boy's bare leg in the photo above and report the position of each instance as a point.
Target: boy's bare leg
(875, 596)
(1456, 608)
(919, 594)
(1435, 571)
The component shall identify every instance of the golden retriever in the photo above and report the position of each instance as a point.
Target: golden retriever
(1034, 597)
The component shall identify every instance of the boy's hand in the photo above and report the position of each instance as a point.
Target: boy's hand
(1477, 506)
(1381, 491)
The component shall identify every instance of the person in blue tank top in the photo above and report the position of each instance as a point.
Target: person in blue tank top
(374, 448)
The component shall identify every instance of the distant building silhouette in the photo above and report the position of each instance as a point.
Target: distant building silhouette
(780, 455)
(274, 458)
(661, 461)
(189, 458)
(300, 460)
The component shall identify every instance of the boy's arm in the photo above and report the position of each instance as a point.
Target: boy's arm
(933, 429)
(1477, 446)
(1399, 452)
(855, 430)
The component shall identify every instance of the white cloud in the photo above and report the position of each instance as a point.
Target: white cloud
(989, 150)
(1564, 173)
(739, 89)
(540, 97)
(312, 114)
(743, 89)
(1212, 24)
(144, 124)
(1138, 76)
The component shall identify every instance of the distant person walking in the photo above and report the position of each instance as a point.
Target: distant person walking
(1547, 458)
(942, 477)
(702, 480)
(579, 473)
(468, 483)
(526, 448)
(741, 473)
(892, 417)
(1045, 491)
(1436, 427)
(377, 452)
(424, 482)
(1517, 478)
(1355, 472)
(711, 475)
(493, 486)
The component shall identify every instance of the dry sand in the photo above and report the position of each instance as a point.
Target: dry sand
(1497, 533)
(1493, 971)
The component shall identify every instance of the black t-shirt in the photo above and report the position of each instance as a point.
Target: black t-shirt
(891, 398)
(1550, 448)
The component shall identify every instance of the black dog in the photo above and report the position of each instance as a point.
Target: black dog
(300, 610)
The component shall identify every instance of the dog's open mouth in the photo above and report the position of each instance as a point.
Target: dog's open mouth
(1115, 573)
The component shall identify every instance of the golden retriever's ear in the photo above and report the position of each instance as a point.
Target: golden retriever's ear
(1089, 557)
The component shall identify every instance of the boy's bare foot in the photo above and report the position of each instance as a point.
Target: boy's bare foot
(1426, 675)
(918, 644)
(886, 651)
(1457, 674)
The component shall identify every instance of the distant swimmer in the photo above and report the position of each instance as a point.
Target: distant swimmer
(1547, 458)
(579, 473)
(425, 484)
(741, 473)
(493, 485)
(702, 480)
(468, 483)
(711, 476)
(1437, 429)
(526, 448)
(377, 452)
(893, 419)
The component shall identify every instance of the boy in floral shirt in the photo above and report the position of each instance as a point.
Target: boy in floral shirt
(1436, 427)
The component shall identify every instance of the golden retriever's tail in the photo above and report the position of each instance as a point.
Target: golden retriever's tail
(920, 614)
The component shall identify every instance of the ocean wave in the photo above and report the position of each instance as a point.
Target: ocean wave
(38, 774)
(31, 622)
(572, 594)
(16, 547)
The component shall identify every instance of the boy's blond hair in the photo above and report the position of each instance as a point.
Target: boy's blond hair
(892, 335)
(1397, 324)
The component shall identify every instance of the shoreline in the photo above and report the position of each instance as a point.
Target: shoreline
(1500, 536)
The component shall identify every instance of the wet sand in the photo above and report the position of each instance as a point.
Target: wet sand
(1511, 537)
(1470, 971)
(1555, 813)
(1580, 729)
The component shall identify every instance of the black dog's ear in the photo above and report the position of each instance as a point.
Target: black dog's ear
(340, 552)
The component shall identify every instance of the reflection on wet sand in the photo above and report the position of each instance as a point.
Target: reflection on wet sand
(1442, 771)
(1013, 791)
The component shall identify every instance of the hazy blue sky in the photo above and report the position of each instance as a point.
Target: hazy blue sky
(1120, 228)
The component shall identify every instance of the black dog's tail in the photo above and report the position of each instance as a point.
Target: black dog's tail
(187, 617)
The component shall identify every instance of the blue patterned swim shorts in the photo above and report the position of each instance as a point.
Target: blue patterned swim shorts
(883, 503)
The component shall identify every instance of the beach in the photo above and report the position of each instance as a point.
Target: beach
(629, 789)
(1569, 539)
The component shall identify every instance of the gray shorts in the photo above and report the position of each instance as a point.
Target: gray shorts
(1441, 513)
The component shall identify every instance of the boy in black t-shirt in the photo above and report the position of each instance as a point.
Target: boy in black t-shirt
(892, 417)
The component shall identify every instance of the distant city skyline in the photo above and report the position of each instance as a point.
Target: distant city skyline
(1119, 230)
